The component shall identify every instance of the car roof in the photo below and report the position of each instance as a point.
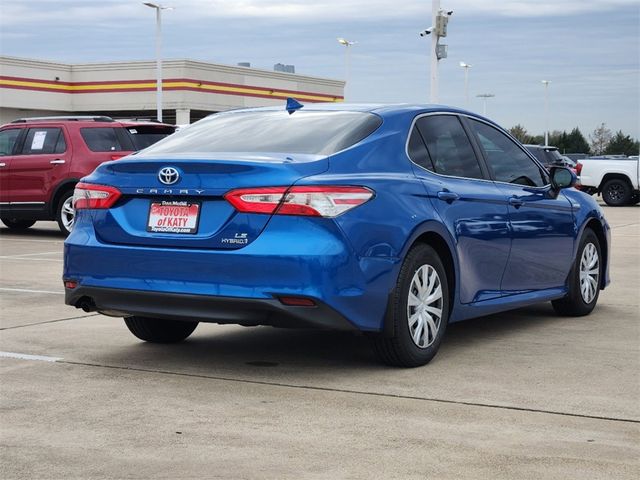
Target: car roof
(379, 108)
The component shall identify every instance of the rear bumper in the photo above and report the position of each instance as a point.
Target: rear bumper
(204, 308)
(303, 257)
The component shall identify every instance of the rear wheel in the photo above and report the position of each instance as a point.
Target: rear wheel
(616, 192)
(419, 312)
(65, 214)
(157, 330)
(17, 224)
(584, 279)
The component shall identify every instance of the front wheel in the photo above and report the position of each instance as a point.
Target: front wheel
(584, 279)
(157, 330)
(616, 192)
(419, 311)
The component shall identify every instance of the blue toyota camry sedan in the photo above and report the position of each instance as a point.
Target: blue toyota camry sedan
(390, 219)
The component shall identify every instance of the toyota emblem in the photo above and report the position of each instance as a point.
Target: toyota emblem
(168, 175)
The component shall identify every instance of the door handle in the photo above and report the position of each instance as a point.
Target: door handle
(448, 196)
(516, 202)
(57, 161)
(3, 164)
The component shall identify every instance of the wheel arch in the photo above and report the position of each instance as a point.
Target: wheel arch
(61, 189)
(614, 176)
(434, 236)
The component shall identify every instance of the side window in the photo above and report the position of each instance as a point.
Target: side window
(449, 147)
(418, 150)
(101, 139)
(506, 159)
(41, 141)
(8, 140)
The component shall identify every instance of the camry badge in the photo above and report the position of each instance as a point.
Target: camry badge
(168, 175)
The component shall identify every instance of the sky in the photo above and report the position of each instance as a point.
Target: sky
(588, 49)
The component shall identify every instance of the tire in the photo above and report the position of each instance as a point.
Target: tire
(616, 192)
(156, 330)
(65, 214)
(579, 302)
(635, 199)
(401, 349)
(17, 224)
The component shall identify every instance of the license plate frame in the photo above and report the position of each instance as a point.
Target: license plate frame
(167, 217)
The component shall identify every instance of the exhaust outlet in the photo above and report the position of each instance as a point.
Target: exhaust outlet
(86, 304)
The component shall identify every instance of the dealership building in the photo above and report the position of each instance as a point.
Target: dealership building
(191, 89)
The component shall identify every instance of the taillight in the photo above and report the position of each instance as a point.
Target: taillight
(578, 168)
(321, 201)
(87, 195)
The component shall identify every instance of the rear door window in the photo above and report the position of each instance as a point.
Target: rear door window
(448, 146)
(101, 139)
(8, 140)
(42, 141)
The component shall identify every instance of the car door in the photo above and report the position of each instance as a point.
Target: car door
(541, 221)
(470, 205)
(42, 162)
(8, 141)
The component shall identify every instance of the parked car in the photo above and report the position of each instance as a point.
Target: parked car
(42, 159)
(549, 156)
(616, 179)
(391, 220)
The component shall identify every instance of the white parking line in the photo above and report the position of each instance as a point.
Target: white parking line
(19, 259)
(6, 239)
(24, 356)
(26, 290)
(20, 255)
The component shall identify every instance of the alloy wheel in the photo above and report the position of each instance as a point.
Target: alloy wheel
(67, 214)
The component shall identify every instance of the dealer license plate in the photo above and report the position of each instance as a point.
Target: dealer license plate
(173, 217)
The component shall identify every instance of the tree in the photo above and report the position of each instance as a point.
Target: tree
(622, 144)
(521, 134)
(600, 139)
(576, 143)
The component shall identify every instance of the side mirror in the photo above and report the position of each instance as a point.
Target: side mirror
(562, 177)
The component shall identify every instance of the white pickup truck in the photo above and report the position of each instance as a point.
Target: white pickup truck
(616, 179)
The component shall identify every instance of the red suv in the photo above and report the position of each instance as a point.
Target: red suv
(42, 159)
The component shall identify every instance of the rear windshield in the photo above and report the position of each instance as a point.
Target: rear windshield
(144, 136)
(303, 132)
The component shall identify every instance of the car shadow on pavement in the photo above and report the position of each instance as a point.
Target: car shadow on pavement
(36, 233)
(243, 351)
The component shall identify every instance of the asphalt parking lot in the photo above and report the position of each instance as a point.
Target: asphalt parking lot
(525, 394)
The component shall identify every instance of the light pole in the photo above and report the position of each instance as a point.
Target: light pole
(347, 62)
(484, 97)
(546, 112)
(466, 67)
(159, 9)
(438, 30)
(433, 95)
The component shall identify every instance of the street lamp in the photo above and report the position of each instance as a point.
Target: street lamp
(466, 67)
(347, 61)
(546, 112)
(484, 97)
(159, 9)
